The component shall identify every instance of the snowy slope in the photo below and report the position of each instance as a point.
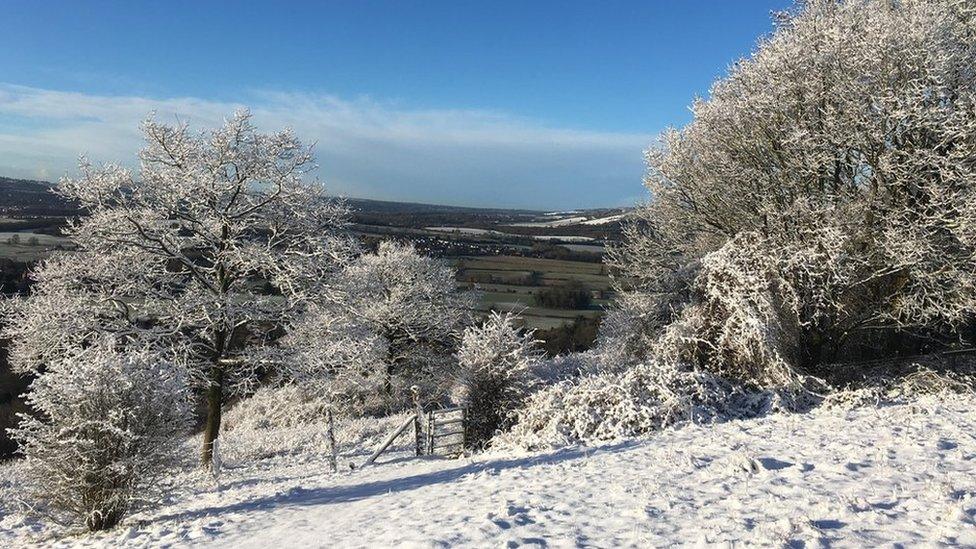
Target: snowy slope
(902, 474)
(605, 220)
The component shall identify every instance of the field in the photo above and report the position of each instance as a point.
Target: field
(510, 283)
(26, 246)
(507, 255)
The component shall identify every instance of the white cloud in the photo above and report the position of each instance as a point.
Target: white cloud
(364, 147)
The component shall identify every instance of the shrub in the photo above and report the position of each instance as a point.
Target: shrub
(611, 405)
(570, 338)
(108, 425)
(292, 420)
(495, 375)
(824, 212)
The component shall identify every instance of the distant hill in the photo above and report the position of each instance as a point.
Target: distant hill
(370, 205)
(26, 199)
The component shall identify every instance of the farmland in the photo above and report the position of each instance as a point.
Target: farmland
(511, 283)
(507, 256)
(27, 247)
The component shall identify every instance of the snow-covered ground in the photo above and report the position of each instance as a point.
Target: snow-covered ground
(466, 230)
(902, 474)
(553, 223)
(566, 238)
(605, 220)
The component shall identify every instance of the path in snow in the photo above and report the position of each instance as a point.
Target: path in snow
(902, 474)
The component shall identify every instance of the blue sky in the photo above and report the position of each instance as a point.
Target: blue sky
(522, 104)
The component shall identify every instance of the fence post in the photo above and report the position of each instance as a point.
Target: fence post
(386, 443)
(416, 435)
(333, 451)
(417, 415)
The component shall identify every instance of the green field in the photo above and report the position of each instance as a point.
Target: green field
(508, 289)
(24, 246)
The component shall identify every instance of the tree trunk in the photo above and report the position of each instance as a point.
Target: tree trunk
(215, 398)
(388, 380)
(388, 370)
(215, 391)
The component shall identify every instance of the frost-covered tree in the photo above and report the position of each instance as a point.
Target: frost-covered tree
(107, 422)
(411, 302)
(334, 361)
(216, 242)
(495, 374)
(334, 356)
(839, 155)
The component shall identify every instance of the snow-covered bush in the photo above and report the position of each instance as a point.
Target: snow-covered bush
(611, 405)
(293, 421)
(904, 382)
(495, 373)
(757, 309)
(549, 370)
(108, 422)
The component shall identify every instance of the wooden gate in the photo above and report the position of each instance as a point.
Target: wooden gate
(440, 432)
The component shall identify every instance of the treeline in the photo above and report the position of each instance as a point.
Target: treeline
(571, 296)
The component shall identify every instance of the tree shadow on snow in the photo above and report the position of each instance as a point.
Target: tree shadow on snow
(357, 492)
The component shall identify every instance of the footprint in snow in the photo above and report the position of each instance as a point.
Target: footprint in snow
(519, 515)
(945, 444)
(828, 524)
(747, 464)
(538, 542)
(773, 464)
(516, 516)
(501, 523)
(744, 464)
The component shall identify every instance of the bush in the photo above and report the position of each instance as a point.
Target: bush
(495, 375)
(108, 425)
(810, 246)
(291, 421)
(639, 400)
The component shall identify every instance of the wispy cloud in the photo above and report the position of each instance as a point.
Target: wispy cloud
(364, 147)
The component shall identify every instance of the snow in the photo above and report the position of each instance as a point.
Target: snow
(554, 223)
(465, 230)
(901, 474)
(473, 231)
(605, 220)
(564, 238)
